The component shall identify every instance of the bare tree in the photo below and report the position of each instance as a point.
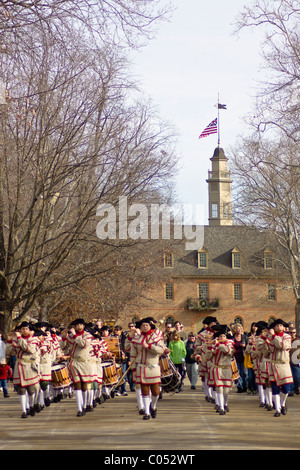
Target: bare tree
(277, 107)
(71, 136)
(112, 22)
(267, 197)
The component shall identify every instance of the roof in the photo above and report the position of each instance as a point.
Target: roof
(219, 242)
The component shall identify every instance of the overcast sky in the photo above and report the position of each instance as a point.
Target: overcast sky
(195, 57)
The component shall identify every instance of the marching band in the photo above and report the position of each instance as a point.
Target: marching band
(86, 361)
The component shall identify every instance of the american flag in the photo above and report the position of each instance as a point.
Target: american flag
(212, 128)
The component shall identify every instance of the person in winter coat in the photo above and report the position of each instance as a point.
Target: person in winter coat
(177, 356)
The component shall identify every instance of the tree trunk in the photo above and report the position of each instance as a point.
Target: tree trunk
(297, 316)
(7, 323)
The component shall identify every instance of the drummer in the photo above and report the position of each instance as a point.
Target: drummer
(81, 366)
(26, 376)
(145, 350)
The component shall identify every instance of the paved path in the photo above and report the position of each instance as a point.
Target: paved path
(185, 422)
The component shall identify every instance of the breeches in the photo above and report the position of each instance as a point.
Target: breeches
(31, 390)
(146, 389)
(84, 386)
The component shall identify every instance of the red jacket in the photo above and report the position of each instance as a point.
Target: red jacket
(5, 372)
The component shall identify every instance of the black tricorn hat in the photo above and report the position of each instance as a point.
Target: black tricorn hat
(278, 322)
(78, 321)
(208, 320)
(220, 330)
(41, 324)
(149, 320)
(39, 333)
(261, 325)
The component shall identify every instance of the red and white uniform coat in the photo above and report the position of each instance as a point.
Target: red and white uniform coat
(146, 368)
(220, 372)
(26, 370)
(80, 349)
(278, 366)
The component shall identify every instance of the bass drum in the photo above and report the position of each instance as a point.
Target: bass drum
(170, 377)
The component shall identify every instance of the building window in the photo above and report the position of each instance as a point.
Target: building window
(203, 290)
(169, 291)
(168, 260)
(238, 320)
(271, 291)
(202, 259)
(236, 258)
(268, 259)
(237, 291)
(214, 211)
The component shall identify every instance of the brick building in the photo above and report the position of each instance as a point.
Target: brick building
(236, 275)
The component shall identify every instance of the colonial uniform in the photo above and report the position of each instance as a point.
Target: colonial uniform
(45, 345)
(81, 367)
(26, 371)
(280, 374)
(147, 370)
(203, 356)
(220, 373)
(260, 355)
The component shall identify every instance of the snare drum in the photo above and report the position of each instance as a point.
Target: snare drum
(170, 377)
(165, 367)
(60, 376)
(234, 370)
(110, 373)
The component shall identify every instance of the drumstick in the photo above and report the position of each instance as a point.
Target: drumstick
(120, 380)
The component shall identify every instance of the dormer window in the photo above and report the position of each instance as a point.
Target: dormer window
(236, 258)
(168, 260)
(268, 259)
(202, 258)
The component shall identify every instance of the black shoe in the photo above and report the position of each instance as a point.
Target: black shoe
(38, 408)
(146, 417)
(80, 413)
(153, 412)
(89, 408)
(276, 414)
(193, 387)
(142, 411)
(24, 415)
(32, 411)
(222, 412)
(284, 410)
(47, 402)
